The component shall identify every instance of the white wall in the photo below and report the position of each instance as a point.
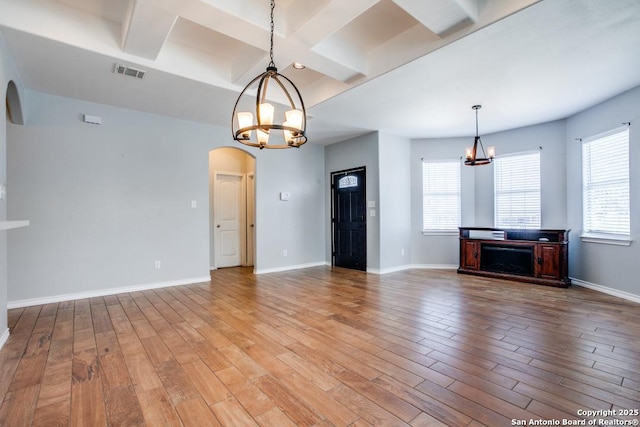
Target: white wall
(106, 201)
(350, 154)
(395, 201)
(609, 266)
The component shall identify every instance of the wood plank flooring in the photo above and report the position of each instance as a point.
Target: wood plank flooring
(323, 347)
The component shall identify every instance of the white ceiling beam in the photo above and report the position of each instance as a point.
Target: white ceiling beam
(223, 17)
(229, 24)
(336, 61)
(329, 19)
(471, 8)
(325, 53)
(441, 16)
(345, 60)
(146, 28)
(249, 11)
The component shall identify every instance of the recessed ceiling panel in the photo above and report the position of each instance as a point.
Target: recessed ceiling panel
(112, 10)
(222, 48)
(376, 26)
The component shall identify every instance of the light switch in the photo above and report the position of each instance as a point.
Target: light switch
(285, 195)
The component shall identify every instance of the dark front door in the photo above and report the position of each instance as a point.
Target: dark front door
(349, 219)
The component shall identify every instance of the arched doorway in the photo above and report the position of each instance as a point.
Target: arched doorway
(231, 208)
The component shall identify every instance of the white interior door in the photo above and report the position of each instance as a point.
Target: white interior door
(229, 219)
(251, 222)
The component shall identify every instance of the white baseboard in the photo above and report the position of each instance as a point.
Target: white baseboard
(4, 338)
(606, 290)
(412, 266)
(288, 267)
(103, 292)
(388, 270)
(436, 266)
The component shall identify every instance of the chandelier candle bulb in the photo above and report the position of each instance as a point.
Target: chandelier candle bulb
(263, 137)
(288, 135)
(491, 152)
(468, 153)
(294, 119)
(244, 121)
(266, 113)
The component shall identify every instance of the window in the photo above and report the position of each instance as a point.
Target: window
(348, 181)
(605, 185)
(441, 195)
(517, 190)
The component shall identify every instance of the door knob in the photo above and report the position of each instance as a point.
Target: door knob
(218, 226)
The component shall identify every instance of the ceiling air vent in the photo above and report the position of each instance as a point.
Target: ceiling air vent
(128, 71)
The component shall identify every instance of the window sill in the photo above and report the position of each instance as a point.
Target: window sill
(605, 239)
(440, 232)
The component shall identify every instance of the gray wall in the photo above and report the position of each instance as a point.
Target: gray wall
(386, 158)
(395, 201)
(4, 80)
(353, 153)
(549, 136)
(106, 201)
(438, 250)
(477, 185)
(595, 263)
(298, 224)
(7, 74)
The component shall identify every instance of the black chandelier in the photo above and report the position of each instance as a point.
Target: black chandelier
(294, 116)
(471, 154)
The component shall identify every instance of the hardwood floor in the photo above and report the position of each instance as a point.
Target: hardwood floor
(323, 347)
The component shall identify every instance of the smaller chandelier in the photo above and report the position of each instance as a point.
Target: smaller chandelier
(471, 154)
(264, 119)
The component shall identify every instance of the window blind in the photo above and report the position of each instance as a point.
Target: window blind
(440, 195)
(605, 184)
(517, 190)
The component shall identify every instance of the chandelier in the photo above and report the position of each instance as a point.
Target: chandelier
(471, 154)
(263, 117)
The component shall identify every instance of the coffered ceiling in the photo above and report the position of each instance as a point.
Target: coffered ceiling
(407, 67)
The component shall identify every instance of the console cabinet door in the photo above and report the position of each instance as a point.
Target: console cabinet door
(548, 262)
(470, 255)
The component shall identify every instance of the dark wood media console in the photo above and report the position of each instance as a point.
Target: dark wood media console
(534, 256)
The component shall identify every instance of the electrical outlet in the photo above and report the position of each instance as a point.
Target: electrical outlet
(284, 252)
(158, 265)
(401, 252)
